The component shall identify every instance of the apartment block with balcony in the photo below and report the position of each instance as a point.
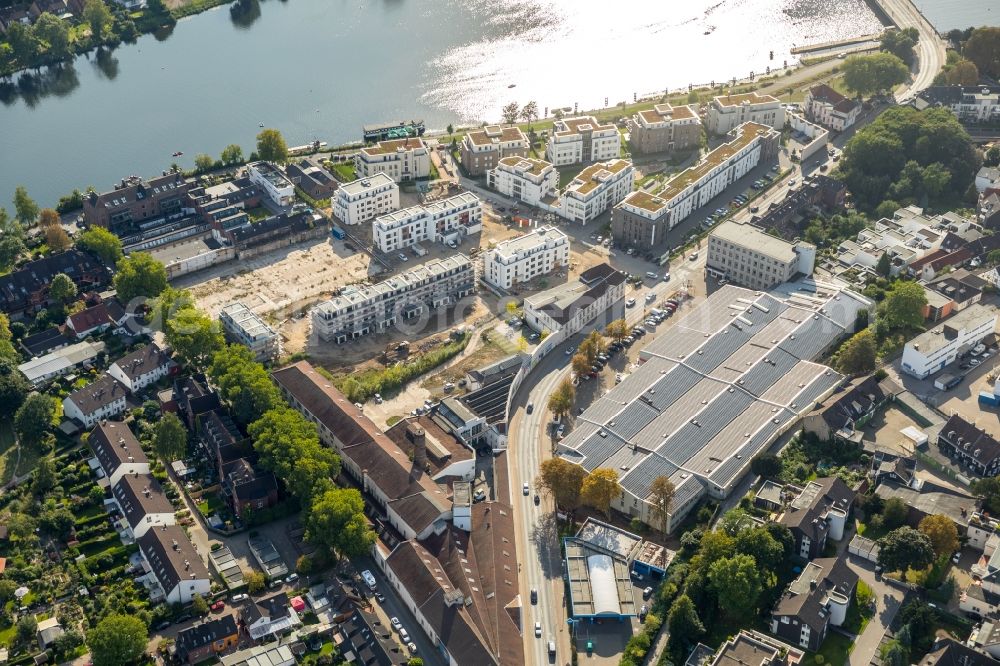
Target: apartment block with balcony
(596, 189)
(664, 128)
(978, 104)
(365, 199)
(582, 139)
(245, 327)
(523, 258)
(754, 259)
(524, 178)
(400, 159)
(447, 221)
(483, 149)
(641, 221)
(272, 182)
(361, 310)
(727, 112)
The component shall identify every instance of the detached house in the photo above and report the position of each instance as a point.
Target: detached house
(268, 617)
(175, 564)
(118, 451)
(843, 414)
(142, 367)
(820, 511)
(818, 598)
(90, 321)
(101, 399)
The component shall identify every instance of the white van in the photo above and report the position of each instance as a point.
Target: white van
(369, 579)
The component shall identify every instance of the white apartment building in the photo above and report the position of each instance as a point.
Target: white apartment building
(366, 198)
(362, 310)
(571, 306)
(244, 326)
(448, 221)
(977, 104)
(175, 565)
(272, 182)
(827, 107)
(100, 399)
(481, 150)
(727, 112)
(751, 258)
(525, 257)
(696, 186)
(582, 139)
(524, 178)
(930, 351)
(400, 159)
(142, 367)
(596, 189)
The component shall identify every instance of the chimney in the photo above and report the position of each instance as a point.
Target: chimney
(175, 545)
(419, 439)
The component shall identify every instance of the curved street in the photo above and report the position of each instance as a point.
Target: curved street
(930, 48)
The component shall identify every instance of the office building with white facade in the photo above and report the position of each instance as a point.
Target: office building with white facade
(596, 189)
(751, 258)
(447, 221)
(932, 350)
(360, 310)
(825, 106)
(525, 257)
(653, 214)
(727, 112)
(245, 327)
(571, 306)
(483, 149)
(272, 182)
(365, 199)
(400, 159)
(664, 128)
(582, 139)
(524, 178)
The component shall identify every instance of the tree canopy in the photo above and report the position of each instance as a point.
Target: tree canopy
(900, 43)
(868, 74)
(102, 243)
(903, 307)
(988, 490)
(905, 548)
(562, 480)
(34, 419)
(62, 288)
(983, 49)
(661, 495)
(243, 383)
(289, 446)
(194, 336)
(25, 208)
(140, 275)
(97, 15)
(941, 530)
(857, 356)
(599, 488)
(737, 583)
(337, 520)
(169, 438)
(271, 146)
(767, 465)
(232, 154)
(561, 400)
(117, 640)
(876, 162)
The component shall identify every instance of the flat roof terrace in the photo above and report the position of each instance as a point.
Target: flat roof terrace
(743, 98)
(587, 180)
(747, 133)
(527, 164)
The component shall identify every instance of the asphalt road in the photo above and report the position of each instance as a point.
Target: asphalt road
(930, 48)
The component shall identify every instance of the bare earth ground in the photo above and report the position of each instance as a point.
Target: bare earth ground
(288, 279)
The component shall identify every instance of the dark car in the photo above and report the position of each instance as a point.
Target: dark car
(538, 500)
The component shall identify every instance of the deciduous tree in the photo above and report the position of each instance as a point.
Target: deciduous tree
(140, 275)
(336, 519)
(661, 495)
(102, 243)
(903, 307)
(117, 640)
(25, 207)
(271, 146)
(53, 31)
(510, 112)
(14, 388)
(857, 356)
(894, 513)
(34, 419)
(561, 400)
(905, 548)
(581, 365)
(758, 543)
(97, 15)
(232, 154)
(766, 465)
(562, 480)
(57, 239)
(983, 48)
(684, 624)
(203, 162)
(869, 74)
(194, 336)
(62, 288)
(599, 488)
(243, 383)
(169, 438)
(617, 330)
(737, 582)
(941, 530)
(988, 490)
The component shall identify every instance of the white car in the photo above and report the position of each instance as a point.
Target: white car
(630, 303)
(396, 624)
(525, 489)
(412, 647)
(402, 257)
(404, 635)
(538, 630)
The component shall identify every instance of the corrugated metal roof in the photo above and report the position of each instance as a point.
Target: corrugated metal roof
(775, 365)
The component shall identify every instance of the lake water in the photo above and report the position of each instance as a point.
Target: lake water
(948, 14)
(319, 69)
